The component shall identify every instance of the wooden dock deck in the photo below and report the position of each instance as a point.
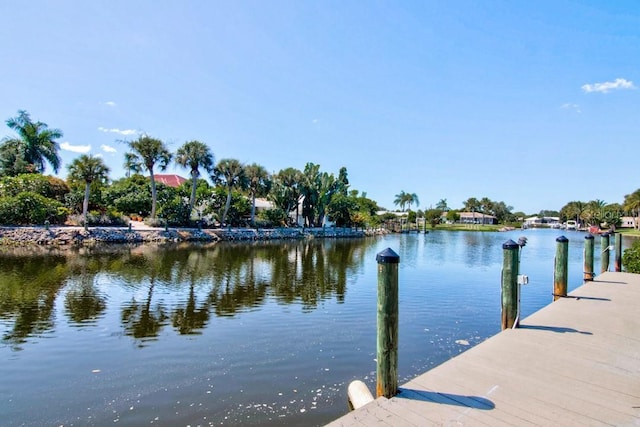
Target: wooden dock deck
(576, 362)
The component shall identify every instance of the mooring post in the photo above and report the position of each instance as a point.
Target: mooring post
(509, 308)
(618, 261)
(588, 257)
(604, 256)
(387, 342)
(561, 268)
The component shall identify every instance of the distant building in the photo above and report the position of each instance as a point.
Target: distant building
(542, 221)
(628, 222)
(476, 218)
(170, 180)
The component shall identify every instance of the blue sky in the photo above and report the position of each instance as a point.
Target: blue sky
(531, 103)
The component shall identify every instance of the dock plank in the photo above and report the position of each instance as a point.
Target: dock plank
(575, 362)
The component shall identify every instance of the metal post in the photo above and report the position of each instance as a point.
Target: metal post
(604, 256)
(618, 261)
(561, 268)
(588, 257)
(387, 341)
(509, 308)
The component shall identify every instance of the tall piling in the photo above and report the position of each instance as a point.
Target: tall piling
(618, 260)
(387, 320)
(509, 291)
(604, 256)
(588, 257)
(561, 264)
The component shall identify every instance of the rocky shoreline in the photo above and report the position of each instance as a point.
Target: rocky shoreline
(78, 236)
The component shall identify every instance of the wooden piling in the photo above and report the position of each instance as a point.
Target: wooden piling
(387, 341)
(618, 260)
(604, 256)
(561, 268)
(588, 257)
(509, 308)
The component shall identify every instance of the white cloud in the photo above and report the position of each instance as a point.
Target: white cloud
(108, 149)
(125, 132)
(315, 121)
(75, 148)
(570, 106)
(110, 104)
(607, 86)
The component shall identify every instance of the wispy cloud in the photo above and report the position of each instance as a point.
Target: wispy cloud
(75, 148)
(572, 107)
(315, 121)
(125, 132)
(108, 149)
(110, 104)
(605, 87)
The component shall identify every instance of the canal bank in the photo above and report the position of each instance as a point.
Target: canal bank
(78, 236)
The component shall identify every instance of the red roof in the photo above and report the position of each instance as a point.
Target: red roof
(170, 180)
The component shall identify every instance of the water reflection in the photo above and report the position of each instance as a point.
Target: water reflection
(28, 290)
(180, 286)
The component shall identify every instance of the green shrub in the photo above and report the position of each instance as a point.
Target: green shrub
(631, 258)
(47, 186)
(28, 208)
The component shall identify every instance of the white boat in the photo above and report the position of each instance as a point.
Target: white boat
(571, 225)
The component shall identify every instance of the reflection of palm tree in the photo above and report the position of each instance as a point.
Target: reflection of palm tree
(190, 319)
(84, 302)
(141, 321)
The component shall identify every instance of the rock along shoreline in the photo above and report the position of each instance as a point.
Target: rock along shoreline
(78, 236)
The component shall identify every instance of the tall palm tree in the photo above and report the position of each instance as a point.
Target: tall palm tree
(151, 151)
(411, 199)
(36, 143)
(230, 173)
(442, 205)
(195, 154)
(88, 169)
(401, 200)
(258, 184)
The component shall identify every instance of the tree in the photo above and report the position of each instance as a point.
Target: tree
(36, 145)
(88, 169)
(286, 190)
(411, 199)
(442, 205)
(195, 154)
(131, 164)
(151, 151)
(400, 200)
(471, 205)
(632, 205)
(230, 174)
(258, 184)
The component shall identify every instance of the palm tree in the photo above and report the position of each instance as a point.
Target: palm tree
(442, 205)
(411, 199)
(35, 145)
(88, 169)
(258, 183)
(230, 173)
(401, 199)
(151, 151)
(194, 154)
(131, 164)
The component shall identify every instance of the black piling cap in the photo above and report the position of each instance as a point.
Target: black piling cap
(589, 236)
(388, 256)
(510, 244)
(562, 239)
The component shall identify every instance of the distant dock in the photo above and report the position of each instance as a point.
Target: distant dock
(575, 362)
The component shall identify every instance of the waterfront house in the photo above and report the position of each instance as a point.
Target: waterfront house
(477, 218)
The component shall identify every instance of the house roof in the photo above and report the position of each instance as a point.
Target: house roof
(170, 180)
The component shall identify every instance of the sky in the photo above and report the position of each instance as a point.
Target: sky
(534, 104)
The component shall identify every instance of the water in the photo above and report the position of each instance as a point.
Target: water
(241, 334)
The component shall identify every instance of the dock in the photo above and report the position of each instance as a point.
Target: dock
(576, 362)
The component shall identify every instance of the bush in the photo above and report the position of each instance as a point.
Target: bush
(47, 186)
(28, 208)
(631, 258)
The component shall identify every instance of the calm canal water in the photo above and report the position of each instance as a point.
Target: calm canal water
(241, 334)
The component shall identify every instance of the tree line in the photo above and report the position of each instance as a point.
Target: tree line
(88, 196)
